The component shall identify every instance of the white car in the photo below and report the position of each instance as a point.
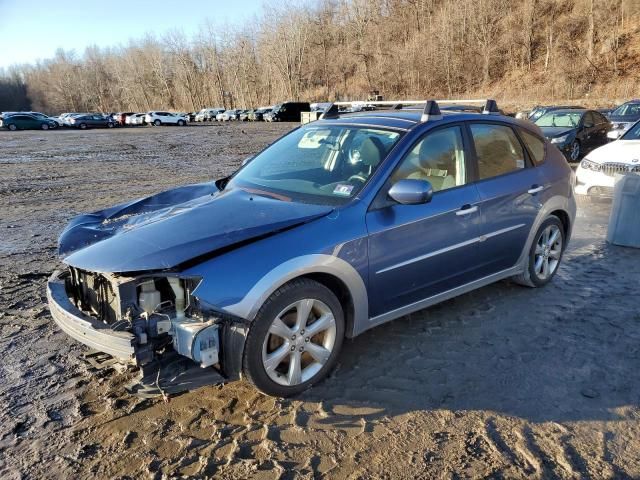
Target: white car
(229, 115)
(595, 175)
(165, 118)
(208, 114)
(137, 119)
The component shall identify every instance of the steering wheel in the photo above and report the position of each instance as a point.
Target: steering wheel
(359, 178)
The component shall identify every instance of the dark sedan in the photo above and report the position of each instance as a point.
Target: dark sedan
(623, 118)
(92, 121)
(27, 121)
(575, 132)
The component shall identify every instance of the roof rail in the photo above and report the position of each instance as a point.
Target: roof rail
(431, 108)
(491, 108)
(431, 112)
(331, 111)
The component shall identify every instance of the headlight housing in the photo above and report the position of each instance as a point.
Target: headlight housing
(561, 139)
(589, 165)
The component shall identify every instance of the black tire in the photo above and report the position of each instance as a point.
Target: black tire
(575, 145)
(288, 294)
(109, 125)
(44, 126)
(530, 277)
(83, 126)
(12, 127)
(181, 123)
(157, 123)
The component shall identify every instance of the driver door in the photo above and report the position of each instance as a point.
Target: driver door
(418, 251)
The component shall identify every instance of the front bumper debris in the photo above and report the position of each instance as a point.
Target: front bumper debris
(84, 328)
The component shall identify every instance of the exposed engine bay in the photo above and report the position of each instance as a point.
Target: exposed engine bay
(163, 318)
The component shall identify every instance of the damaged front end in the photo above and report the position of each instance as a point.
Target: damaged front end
(152, 321)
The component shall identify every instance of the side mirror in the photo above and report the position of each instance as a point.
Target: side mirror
(411, 191)
(247, 160)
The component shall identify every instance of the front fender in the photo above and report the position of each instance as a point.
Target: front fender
(297, 267)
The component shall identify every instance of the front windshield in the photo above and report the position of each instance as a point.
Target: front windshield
(627, 109)
(559, 119)
(633, 133)
(317, 164)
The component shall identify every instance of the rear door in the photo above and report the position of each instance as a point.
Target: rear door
(418, 251)
(510, 190)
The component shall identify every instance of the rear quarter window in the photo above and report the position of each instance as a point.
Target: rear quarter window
(535, 145)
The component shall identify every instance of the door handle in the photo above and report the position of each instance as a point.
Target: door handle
(535, 189)
(467, 209)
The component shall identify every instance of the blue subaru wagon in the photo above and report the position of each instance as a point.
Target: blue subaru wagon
(339, 226)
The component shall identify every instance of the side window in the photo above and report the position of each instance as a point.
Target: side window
(600, 119)
(437, 158)
(498, 150)
(535, 146)
(588, 120)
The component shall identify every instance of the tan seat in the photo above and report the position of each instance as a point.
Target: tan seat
(435, 162)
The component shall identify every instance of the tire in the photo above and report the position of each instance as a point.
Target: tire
(109, 125)
(83, 126)
(283, 379)
(574, 154)
(157, 123)
(181, 123)
(12, 127)
(534, 276)
(44, 126)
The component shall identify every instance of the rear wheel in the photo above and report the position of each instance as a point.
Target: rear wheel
(295, 339)
(545, 254)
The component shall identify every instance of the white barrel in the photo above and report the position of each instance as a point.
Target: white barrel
(624, 222)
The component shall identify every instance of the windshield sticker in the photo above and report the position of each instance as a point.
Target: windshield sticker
(342, 189)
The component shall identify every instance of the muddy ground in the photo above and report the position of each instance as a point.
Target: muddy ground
(504, 382)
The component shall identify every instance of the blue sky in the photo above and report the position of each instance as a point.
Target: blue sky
(34, 29)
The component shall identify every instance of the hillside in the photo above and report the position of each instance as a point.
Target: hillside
(521, 53)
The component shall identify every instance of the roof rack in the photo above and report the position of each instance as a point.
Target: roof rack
(431, 110)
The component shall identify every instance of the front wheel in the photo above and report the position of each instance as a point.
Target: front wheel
(181, 123)
(109, 125)
(295, 339)
(12, 127)
(157, 123)
(44, 126)
(83, 126)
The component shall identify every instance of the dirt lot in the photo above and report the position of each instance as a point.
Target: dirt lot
(505, 382)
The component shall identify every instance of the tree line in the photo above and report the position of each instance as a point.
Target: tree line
(346, 49)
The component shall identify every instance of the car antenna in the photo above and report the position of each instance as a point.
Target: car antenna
(491, 108)
(332, 111)
(431, 111)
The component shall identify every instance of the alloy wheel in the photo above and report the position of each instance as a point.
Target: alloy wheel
(575, 152)
(548, 252)
(299, 342)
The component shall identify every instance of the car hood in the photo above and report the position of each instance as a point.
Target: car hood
(551, 132)
(165, 230)
(620, 151)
